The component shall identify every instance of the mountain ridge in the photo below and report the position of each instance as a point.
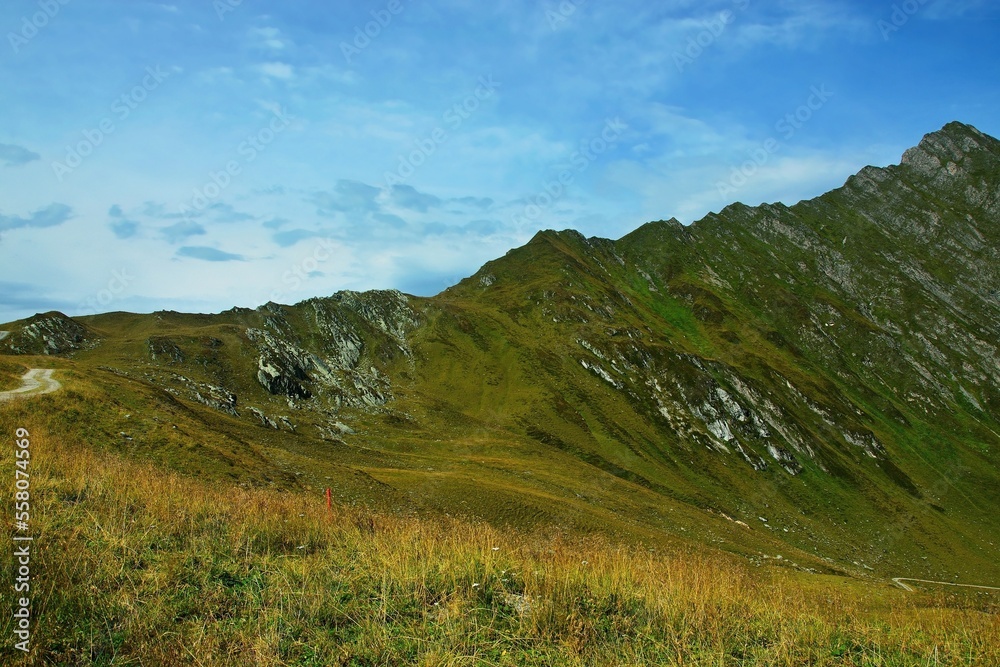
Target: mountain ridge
(824, 372)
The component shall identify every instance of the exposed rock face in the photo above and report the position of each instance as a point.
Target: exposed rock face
(218, 398)
(387, 311)
(282, 367)
(328, 357)
(162, 348)
(49, 334)
(264, 419)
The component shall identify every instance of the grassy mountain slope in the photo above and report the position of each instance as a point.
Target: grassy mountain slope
(818, 381)
(135, 565)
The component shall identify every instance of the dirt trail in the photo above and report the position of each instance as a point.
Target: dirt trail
(37, 381)
(899, 582)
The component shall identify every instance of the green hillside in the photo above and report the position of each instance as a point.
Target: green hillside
(817, 381)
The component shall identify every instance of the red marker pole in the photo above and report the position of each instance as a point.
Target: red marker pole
(329, 501)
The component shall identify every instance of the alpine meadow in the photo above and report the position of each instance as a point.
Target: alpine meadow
(714, 444)
(516, 334)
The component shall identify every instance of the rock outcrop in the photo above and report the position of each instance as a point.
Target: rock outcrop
(49, 334)
(337, 356)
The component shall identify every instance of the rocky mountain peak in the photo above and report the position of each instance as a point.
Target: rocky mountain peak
(948, 148)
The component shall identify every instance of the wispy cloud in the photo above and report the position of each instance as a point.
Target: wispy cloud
(408, 197)
(207, 254)
(121, 226)
(15, 156)
(347, 197)
(182, 231)
(800, 25)
(52, 215)
(289, 238)
(268, 37)
(223, 212)
(31, 298)
(277, 70)
(954, 9)
(475, 202)
(125, 229)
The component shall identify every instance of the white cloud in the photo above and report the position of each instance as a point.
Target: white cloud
(329, 73)
(675, 124)
(277, 70)
(267, 38)
(950, 9)
(801, 24)
(215, 75)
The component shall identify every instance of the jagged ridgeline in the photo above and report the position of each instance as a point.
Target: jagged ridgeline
(820, 380)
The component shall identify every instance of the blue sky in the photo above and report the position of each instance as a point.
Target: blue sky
(200, 155)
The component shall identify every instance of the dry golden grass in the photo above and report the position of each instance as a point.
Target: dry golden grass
(138, 566)
(10, 374)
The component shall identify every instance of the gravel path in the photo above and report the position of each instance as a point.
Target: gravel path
(899, 582)
(37, 381)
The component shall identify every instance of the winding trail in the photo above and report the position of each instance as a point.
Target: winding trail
(4, 334)
(36, 382)
(899, 582)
